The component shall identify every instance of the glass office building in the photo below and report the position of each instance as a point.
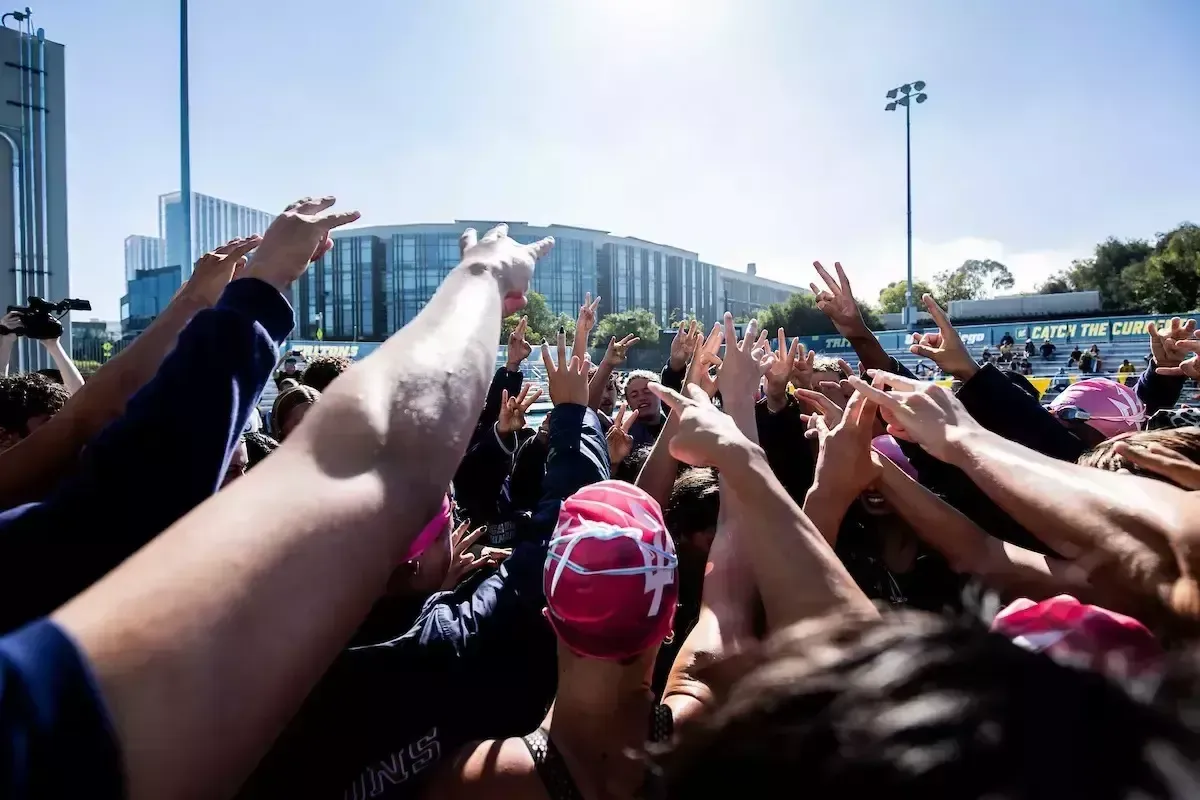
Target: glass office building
(155, 267)
(375, 279)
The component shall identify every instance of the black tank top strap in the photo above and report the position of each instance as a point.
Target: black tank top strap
(550, 766)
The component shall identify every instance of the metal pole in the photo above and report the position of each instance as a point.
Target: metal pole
(185, 154)
(908, 292)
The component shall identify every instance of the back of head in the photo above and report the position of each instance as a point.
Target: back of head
(322, 370)
(1184, 441)
(609, 575)
(258, 446)
(1113, 408)
(27, 398)
(694, 504)
(287, 400)
(919, 706)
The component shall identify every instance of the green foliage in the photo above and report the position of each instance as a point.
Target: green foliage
(974, 280)
(543, 324)
(891, 297)
(799, 316)
(640, 322)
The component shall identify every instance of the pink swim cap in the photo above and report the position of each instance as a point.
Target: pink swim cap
(1114, 407)
(609, 575)
(1084, 636)
(889, 448)
(429, 534)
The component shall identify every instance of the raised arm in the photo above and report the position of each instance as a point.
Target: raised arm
(72, 380)
(269, 575)
(30, 469)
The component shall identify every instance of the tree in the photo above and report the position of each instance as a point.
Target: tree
(543, 324)
(639, 322)
(799, 316)
(891, 297)
(1055, 285)
(1104, 271)
(1169, 279)
(974, 280)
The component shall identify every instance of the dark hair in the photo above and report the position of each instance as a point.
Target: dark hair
(918, 705)
(53, 374)
(694, 504)
(629, 469)
(258, 446)
(322, 370)
(23, 397)
(287, 400)
(1184, 441)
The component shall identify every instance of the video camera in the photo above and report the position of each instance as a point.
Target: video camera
(40, 319)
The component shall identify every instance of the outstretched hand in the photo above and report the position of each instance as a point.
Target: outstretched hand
(568, 379)
(1164, 345)
(705, 433)
(296, 238)
(508, 261)
(919, 412)
(837, 300)
(213, 272)
(945, 348)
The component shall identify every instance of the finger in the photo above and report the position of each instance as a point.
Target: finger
(226, 248)
(629, 341)
(892, 380)
(467, 240)
(1173, 371)
(837, 265)
(627, 422)
(239, 269)
(621, 414)
(694, 329)
(878, 395)
(541, 247)
(294, 206)
(697, 394)
(1189, 327)
(817, 400)
(458, 533)
(474, 537)
(522, 325)
(939, 316)
(245, 247)
(730, 334)
(521, 395)
(674, 400)
(504, 398)
(825, 276)
(561, 342)
(751, 339)
(495, 233)
(595, 304)
(336, 219)
(924, 350)
(529, 401)
(813, 287)
(587, 301)
(1192, 345)
(713, 343)
(546, 358)
(793, 352)
(314, 206)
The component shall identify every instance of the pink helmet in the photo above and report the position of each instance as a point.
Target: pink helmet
(1109, 407)
(889, 448)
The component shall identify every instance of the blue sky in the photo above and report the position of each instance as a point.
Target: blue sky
(747, 130)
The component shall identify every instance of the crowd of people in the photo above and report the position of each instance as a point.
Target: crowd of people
(760, 571)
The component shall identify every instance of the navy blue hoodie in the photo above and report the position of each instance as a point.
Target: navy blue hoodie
(384, 715)
(156, 462)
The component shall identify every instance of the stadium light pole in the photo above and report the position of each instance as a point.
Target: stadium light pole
(185, 148)
(905, 96)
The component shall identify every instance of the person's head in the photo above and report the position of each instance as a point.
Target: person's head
(27, 401)
(1125, 363)
(692, 510)
(608, 400)
(828, 369)
(871, 500)
(425, 570)
(629, 469)
(258, 446)
(1097, 409)
(920, 705)
(640, 398)
(239, 462)
(1184, 441)
(610, 576)
(289, 409)
(54, 375)
(289, 366)
(321, 371)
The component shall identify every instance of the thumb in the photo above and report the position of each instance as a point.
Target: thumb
(672, 398)
(924, 350)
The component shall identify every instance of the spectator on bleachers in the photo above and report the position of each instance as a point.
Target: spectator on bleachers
(986, 358)
(1006, 342)
(1076, 355)
(1029, 348)
(1061, 380)
(921, 370)
(1086, 363)
(1048, 349)
(1125, 370)
(1026, 366)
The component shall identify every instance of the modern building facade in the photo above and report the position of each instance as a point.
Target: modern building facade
(375, 279)
(155, 267)
(33, 200)
(744, 293)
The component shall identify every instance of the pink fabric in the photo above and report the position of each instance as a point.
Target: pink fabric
(610, 573)
(429, 534)
(889, 448)
(1084, 636)
(1119, 405)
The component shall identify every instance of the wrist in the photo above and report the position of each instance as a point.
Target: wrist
(777, 400)
(676, 365)
(512, 366)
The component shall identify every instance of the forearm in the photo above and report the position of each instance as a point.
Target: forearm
(598, 384)
(825, 506)
(657, 477)
(31, 468)
(72, 380)
(7, 343)
(267, 575)
(868, 349)
(1063, 503)
(797, 572)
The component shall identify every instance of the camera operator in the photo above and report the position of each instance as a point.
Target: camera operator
(48, 332)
